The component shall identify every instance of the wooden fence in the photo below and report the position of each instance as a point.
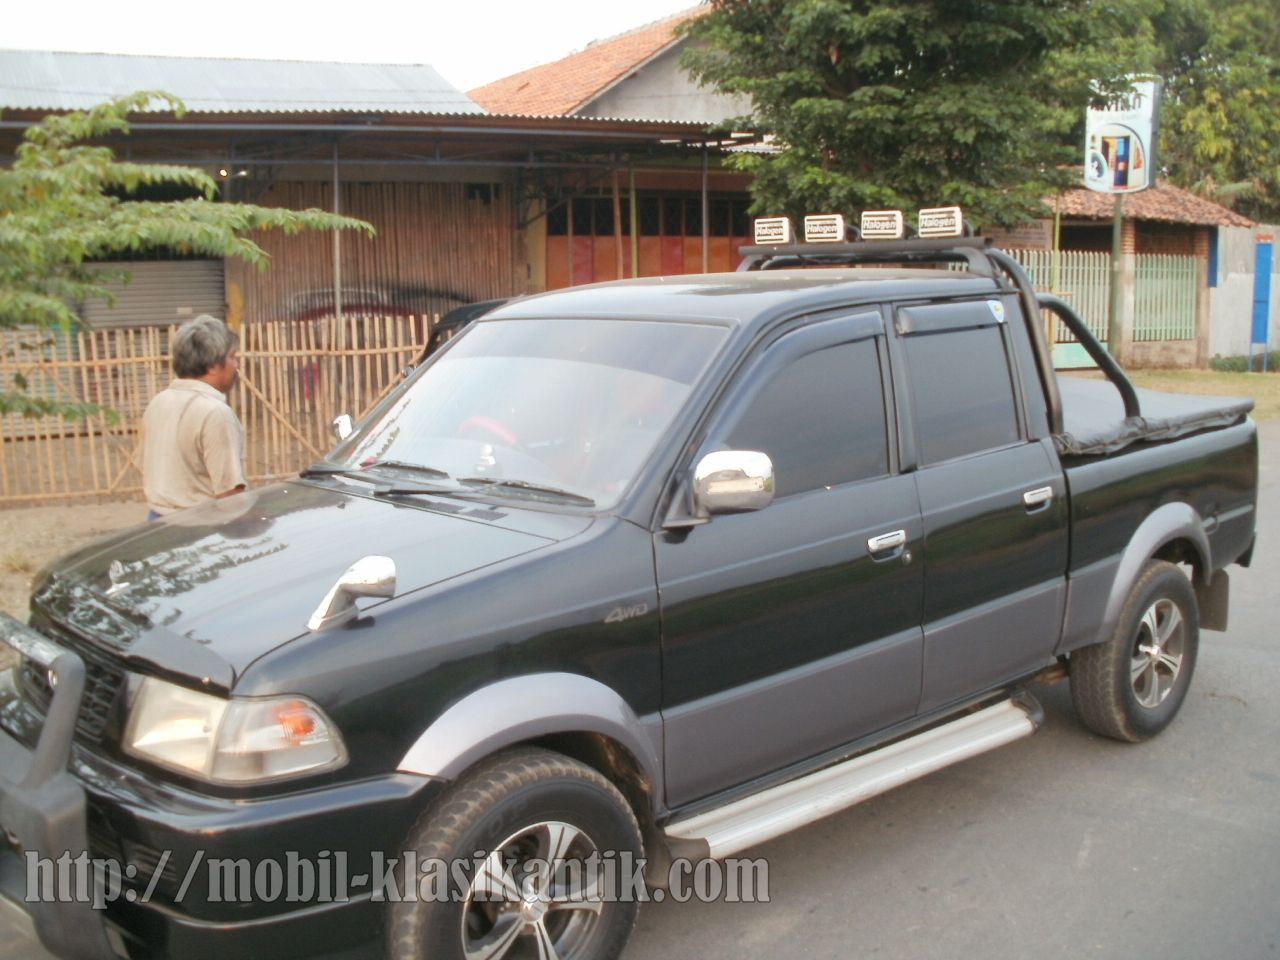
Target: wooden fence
(295, 377)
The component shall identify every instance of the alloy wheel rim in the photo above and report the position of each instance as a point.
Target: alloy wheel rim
(534, 896)
(1158, 652)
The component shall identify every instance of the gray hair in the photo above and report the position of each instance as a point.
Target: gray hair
(200, 343)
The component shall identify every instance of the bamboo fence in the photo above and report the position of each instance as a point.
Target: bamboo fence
(439, 245)
(295, 377)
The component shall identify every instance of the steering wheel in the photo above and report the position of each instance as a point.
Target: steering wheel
(495, 429)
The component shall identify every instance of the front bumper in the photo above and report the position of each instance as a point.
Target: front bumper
(169, 872)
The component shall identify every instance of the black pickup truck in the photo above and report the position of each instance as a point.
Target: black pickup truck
(659, 568)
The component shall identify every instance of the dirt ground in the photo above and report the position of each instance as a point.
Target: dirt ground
(35, 535)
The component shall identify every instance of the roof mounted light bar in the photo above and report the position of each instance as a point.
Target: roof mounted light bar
(972, 251)
(934, 223)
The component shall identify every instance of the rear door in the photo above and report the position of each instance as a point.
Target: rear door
(791, 630)
(992, 495)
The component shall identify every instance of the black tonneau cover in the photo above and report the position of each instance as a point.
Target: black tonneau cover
(1094, 422)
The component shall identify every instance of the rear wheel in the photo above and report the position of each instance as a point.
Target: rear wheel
(1131, 685)
(523, 837)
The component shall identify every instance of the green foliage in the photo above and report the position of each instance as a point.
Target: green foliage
(65, 204)
(909, 103)
(1221, 123)
(1241, 364)
(902, 103)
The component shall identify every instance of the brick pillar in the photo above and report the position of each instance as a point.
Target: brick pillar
(1129, 236)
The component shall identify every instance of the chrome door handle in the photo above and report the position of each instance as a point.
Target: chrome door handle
(887, 541)
(1039, 497)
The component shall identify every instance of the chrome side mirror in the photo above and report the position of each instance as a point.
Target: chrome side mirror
(343, 426)
(371, 576)
(733, 481)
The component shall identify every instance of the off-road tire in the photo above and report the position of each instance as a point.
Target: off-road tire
(1110, 680)
(508, 793)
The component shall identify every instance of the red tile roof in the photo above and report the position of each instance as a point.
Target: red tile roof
(1163, 202)
(557, 89)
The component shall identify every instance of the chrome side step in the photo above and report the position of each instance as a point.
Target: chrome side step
(788, 806)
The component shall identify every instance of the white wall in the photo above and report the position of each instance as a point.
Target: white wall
(1231, 301)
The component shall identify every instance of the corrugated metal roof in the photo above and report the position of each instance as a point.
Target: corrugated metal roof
(47, 80)
(697, 127)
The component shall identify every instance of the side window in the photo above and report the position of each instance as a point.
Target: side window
(960, 383)
(820, 418)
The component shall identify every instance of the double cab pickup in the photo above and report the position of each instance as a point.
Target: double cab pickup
(661, 568)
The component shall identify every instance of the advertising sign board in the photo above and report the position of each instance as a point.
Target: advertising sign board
(1120, 141)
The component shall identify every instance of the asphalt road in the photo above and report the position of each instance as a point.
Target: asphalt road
(1064, 845)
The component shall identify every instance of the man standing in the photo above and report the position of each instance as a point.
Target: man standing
(193, 445)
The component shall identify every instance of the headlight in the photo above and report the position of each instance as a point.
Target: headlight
(230, 741)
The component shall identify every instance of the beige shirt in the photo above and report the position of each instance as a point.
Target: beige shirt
(192, 446)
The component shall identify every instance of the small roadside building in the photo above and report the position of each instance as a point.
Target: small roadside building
(1183, 273)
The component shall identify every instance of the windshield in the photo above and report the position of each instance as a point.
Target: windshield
(545, 409)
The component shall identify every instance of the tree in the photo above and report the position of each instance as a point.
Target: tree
(908, 103)
(1221, 123)
(65, 203)
(902, 103)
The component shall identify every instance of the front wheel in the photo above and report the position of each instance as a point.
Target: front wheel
(524, 838)
(1131, 685)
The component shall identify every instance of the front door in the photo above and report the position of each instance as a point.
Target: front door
(792, 630)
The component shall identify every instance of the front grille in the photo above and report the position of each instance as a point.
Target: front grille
(103, 683)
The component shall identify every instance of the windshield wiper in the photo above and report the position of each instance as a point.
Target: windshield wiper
(395, 487)
(525, 485)
(324, 468)
(405, 465)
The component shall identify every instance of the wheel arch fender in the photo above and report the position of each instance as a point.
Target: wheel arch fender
(519, 709)
(1165, 525)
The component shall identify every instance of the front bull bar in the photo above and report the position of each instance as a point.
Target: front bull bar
(43, 810)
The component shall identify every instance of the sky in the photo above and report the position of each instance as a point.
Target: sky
(470, 42)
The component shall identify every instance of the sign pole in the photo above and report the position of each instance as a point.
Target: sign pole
(1120, 158)
(1114, 305)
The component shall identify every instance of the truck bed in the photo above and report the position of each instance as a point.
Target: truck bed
(1094, 422)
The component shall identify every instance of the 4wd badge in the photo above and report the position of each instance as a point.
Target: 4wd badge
(619, 614)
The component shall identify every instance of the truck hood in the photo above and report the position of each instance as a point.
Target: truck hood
(207, 591)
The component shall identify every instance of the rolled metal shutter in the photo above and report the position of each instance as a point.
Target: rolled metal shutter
(160, 293)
